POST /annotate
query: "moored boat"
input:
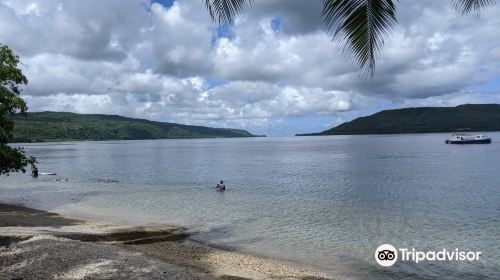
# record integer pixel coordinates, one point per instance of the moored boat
(465, 138)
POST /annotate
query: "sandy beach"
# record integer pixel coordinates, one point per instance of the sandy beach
(36, 244)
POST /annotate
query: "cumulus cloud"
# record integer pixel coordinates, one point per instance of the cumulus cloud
(276, 63)
(82, 29)
(181, 38)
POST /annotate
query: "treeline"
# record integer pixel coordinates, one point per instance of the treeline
(468, 117)
(62, 126)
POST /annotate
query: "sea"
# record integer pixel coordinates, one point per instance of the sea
(324, 203)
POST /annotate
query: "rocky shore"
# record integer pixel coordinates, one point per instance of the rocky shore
(35, 244)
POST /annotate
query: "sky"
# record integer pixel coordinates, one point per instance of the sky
(274, 71)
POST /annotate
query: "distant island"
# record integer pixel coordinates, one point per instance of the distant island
(468, 117)
(63, 126)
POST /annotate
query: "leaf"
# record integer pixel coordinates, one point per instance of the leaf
(362, 24)
(224, 11)
(467, 6)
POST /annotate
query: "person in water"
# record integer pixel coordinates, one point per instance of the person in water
(221, 186)
(34, 172)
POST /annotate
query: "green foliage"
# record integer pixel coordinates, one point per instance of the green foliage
(468, 6)
(363, 25)
(13, 160)
(60, 126)
(11, 78)
(473, 117)
(224, 11)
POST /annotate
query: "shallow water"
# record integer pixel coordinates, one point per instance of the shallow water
(326, 202)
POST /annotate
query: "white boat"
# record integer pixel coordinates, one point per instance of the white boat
(465, 138)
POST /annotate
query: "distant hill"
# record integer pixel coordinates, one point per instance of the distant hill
(473, 117)
(61, 126)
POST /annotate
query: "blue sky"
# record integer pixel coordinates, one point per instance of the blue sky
(166, 3)
(274, 71)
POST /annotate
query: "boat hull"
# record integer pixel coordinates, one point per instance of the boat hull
(481, 141)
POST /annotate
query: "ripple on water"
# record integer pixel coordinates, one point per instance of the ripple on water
(321, 201)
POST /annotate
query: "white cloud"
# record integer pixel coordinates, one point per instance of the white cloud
(181, 39)
(141, 59)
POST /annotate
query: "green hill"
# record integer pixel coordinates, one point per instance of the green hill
(473, 117)
(61, 126)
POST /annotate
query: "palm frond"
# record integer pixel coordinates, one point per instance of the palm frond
(467, 6)
(362, 24)
(224, 11)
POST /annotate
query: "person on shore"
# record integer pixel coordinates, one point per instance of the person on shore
(34, 172)
(221, 186)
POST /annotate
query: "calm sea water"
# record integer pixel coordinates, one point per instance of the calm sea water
(325, 202)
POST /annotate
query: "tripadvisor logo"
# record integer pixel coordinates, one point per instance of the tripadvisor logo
(387, 255)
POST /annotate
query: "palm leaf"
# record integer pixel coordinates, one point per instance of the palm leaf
(467, 6)
(362, 24)
(224, 11)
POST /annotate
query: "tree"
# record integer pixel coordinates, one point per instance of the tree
(361, 24)
(11, 78)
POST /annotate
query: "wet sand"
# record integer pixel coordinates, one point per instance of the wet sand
(36, 244)
(19, 216)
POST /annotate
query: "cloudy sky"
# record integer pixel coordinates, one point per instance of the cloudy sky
(275, 71)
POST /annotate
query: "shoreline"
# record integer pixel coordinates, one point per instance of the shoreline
(134, 252)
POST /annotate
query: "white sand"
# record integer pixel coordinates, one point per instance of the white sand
(222, 263)
(118, 252)
(48, 257)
